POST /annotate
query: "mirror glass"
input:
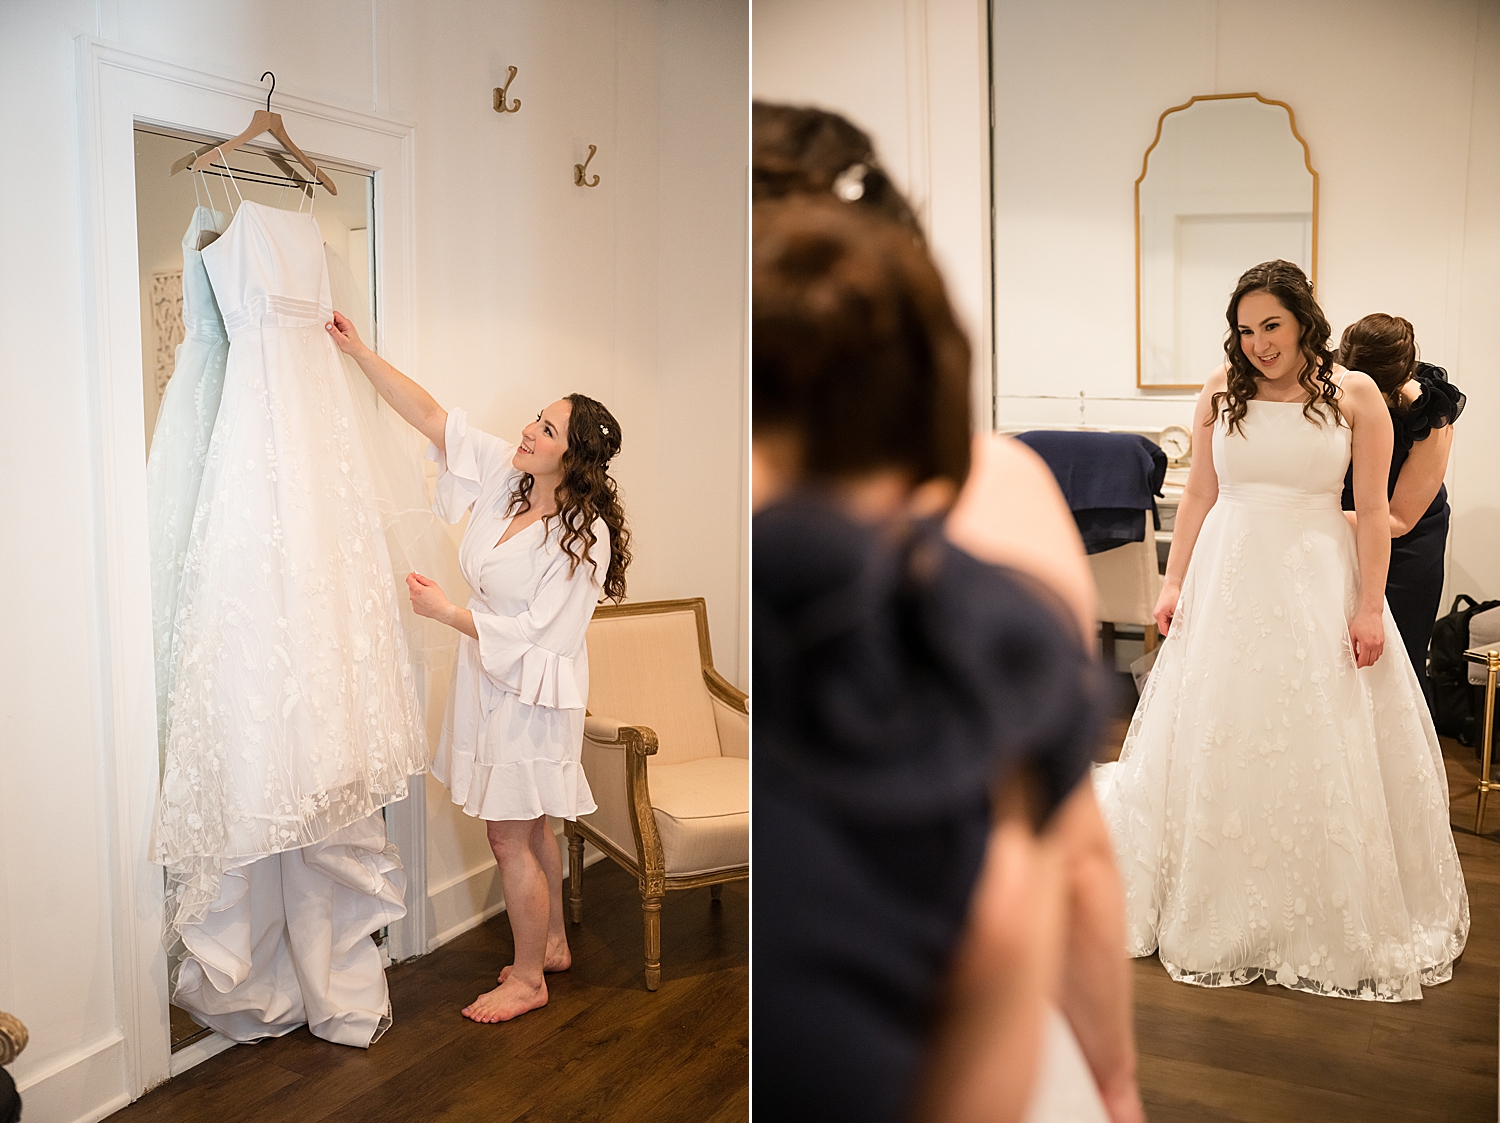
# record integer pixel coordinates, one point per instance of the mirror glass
(1226, 184)
(164, 205)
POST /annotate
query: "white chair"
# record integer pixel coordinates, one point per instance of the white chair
(666, 747)
(1128, 582)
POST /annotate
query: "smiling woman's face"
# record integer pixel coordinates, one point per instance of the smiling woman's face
(544, 441)
(1269, 335)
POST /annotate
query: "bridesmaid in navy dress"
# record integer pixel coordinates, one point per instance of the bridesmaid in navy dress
(1424, 405)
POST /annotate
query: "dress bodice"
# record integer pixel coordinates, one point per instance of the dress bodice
(1282, 458)
(268, 270)
(200, 308)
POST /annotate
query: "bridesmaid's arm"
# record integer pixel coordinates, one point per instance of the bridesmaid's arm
(1365, 409)
(413, 403)
(1011, 512)
(1198, 498)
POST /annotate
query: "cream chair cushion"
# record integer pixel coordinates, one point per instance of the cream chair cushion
(734, 729)
(702, 813)
(604, 765)
(655, 679)
(1128, 580)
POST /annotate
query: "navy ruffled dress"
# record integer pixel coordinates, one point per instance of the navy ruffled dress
(1414, 586)
(897, 680)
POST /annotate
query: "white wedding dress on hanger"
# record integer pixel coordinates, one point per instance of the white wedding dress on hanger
(179, 445)
(1276, 812)
(293, 713)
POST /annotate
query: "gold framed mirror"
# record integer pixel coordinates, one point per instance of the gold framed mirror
(1226, 183)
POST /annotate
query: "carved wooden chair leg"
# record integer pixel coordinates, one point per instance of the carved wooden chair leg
(575, 873)
(651, 913)
(717, 891)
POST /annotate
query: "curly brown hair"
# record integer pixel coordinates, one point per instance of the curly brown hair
(1385, 348)
(1288, 284)
(587, 492)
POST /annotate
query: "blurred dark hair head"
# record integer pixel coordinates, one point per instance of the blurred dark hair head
(1385, 348)
(798, 150)
(1289, 285)
(857, 355)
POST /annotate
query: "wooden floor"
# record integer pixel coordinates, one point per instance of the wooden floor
(603, 1048)
(1259, 1054)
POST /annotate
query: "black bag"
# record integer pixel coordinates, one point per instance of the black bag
(1457, 707)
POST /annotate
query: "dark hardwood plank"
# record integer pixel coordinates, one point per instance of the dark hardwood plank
(604, 1048)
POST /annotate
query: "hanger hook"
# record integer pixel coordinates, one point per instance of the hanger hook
(579, 171)
(272, 90)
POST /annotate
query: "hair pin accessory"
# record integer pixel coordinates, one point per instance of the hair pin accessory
(849, 184)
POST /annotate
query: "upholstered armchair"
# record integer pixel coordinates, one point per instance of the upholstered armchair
(1128, 581)
(666, 748)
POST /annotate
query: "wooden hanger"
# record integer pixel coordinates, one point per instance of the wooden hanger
(288, 173)
(264, 121)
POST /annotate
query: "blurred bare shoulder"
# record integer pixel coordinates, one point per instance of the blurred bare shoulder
(1011, 512)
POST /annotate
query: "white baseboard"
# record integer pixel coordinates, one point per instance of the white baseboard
(199, 1051)
(69, 1089)
(467, 901)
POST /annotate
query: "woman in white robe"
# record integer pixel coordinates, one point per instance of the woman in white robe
(546, 540)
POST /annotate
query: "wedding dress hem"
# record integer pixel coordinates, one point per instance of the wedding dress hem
(288, 942)
(1408, 989)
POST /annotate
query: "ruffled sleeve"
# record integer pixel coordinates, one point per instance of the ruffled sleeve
(899, 680)
(1438, 405)
(470, 464)
(533, 655)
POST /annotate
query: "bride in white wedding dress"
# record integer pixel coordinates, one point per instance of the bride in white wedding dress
(1280, 808)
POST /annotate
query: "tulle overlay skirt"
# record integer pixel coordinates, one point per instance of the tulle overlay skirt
(1278, 813)
(292, 710)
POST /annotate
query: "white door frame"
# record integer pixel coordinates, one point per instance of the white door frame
(118, 89)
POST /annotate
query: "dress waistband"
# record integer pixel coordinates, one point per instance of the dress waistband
(268, 310)
(204, 329)
(1268, 495)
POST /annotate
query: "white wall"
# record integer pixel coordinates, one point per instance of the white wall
(528, 288)
(1398, 100)
(914, 75)
(1399, 105)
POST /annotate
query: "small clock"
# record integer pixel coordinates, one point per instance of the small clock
(1177, 443)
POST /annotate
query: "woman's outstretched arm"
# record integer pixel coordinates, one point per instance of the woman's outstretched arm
(1198, 498)
(413, 403)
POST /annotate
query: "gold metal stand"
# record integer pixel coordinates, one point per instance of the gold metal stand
(1489, 657)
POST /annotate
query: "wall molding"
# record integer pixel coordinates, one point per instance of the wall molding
(61, 1092)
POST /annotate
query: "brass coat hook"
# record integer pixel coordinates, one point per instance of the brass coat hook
(579, 169)
(500, 93)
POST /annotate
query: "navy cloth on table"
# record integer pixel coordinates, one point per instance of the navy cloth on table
(897, 679)
(1108, 479)
(1414, 585)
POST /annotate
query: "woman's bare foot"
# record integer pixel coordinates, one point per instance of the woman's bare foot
(559, 957)
(509, 1000)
